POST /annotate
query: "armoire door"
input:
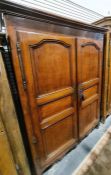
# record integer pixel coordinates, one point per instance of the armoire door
(49, 77)
(89, 63)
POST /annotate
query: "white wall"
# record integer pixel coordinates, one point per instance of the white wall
(101, 6)
(64, 8)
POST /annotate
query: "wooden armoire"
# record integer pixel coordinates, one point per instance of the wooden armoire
(106, 82)
(58, 68)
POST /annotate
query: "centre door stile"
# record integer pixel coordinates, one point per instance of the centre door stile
(77, 93)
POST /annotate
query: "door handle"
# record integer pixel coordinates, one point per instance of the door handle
(81, 96)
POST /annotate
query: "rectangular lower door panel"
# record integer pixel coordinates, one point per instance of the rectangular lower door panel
(58, 136)
(88, 118)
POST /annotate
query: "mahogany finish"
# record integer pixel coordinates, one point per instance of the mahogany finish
(57, 64)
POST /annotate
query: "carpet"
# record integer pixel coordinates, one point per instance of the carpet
(98, 162)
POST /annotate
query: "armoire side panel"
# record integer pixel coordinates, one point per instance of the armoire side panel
(109, 79)
(106, 79)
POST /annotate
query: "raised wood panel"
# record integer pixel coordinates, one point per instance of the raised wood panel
(89, 62)
(89, 117)
(57, 117)
(88, 84)
(55, 54)
(90, 91)
(43, 99)
(90, 100)
(58, 105)
(54, 139)
(91, 65)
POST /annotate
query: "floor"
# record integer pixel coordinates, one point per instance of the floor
(74, 158)
(102, 164)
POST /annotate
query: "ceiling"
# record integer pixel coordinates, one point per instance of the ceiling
(64, 8)
(101, 6)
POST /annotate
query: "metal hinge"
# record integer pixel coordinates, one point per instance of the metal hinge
(34, 140)
(21, 65)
